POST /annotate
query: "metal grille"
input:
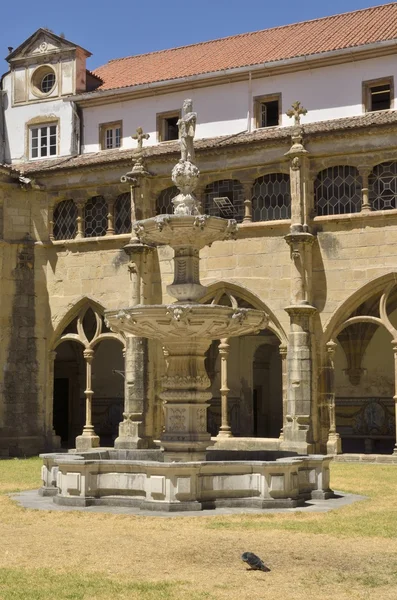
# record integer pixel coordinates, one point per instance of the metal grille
(65, 220)
(164, 205)
(95, 217)
(337, 191)
(122, 213)
(225, 188)
(271, 199)
(383, 186)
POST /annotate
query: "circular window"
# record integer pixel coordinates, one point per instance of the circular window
(43, 81)
(47, 83)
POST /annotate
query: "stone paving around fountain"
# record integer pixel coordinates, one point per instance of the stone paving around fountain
(32, 500)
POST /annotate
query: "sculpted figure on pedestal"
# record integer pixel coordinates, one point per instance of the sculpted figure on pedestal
(187, 129)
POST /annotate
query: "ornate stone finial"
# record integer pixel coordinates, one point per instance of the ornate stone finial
(138, 170)
(139, 137)
(296, 111)
(187, 129)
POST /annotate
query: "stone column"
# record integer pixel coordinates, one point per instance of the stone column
(88, 439)
(110, 216)
(284, 374)
(298, 430)
(225, 429)
(247, 187)
(365, 204)
(299, 426)
(334, 445)
(80, 219)
(132, 430)
(185, 393)
(394, 342)
(51, 223)
(299, 177)
(53, 440)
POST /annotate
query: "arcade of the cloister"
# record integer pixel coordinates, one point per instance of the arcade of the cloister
(327, 292)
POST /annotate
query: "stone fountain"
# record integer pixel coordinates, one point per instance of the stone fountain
(185, 474)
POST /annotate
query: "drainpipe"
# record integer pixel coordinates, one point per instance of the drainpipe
(249, 115)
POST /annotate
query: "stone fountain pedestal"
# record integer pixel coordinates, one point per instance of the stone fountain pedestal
(185, 329)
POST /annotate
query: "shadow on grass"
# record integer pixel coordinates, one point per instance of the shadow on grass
(44, 584)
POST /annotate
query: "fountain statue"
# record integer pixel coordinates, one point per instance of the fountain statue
(181, 477)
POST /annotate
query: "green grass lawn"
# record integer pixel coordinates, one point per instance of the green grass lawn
(349, 553)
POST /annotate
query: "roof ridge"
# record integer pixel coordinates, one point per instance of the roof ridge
(248, 33)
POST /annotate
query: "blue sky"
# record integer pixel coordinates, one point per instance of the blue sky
(116, 28)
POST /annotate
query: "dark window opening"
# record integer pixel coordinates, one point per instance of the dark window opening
(171, 128)
(380, 97)
(269, 114)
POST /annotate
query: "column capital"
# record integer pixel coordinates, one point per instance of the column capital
(88, 354)
(301, 310)
(283, 349)
(299, 237)
(331, 348)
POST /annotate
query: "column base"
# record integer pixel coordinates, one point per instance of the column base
(133, 443)
(87, 442)
(334, 444)
(129, 438)
(226, 433)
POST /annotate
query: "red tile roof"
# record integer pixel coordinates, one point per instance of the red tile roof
(347, 30)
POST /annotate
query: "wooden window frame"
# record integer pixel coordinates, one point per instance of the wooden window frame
(38, 123)
(366, 92)
(104, 127)
(258, 100)
(160, 123)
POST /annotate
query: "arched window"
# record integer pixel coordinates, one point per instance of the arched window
(337, 191)
(122, 213)
(225, 198)
(383, 186)
(95, 217)
(164, 205)
(271, 200)
(65, 220)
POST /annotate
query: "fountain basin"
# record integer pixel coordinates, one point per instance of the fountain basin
(95, 478)
(184, 230)
(184, 321)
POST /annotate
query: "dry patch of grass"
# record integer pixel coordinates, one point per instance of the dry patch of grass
(348, 554)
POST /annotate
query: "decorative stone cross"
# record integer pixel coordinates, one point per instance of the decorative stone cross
(296, 111)
(139, 137)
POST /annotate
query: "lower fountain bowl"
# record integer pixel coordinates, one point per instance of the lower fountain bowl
(122, 478)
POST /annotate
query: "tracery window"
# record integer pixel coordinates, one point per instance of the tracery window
(164, 204)
(271, 200)
(95, 217)
(65, 220)
(122, 213)
(383, 186)
(337, 191)
(225, 198)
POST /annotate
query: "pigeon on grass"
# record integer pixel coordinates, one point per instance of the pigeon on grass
(254, 562)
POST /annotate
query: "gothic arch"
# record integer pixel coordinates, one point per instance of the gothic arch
(342, 314)
(70, 313)
(216, 290)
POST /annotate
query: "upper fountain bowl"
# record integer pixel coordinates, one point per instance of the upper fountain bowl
(187, 230)
(170, 322)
